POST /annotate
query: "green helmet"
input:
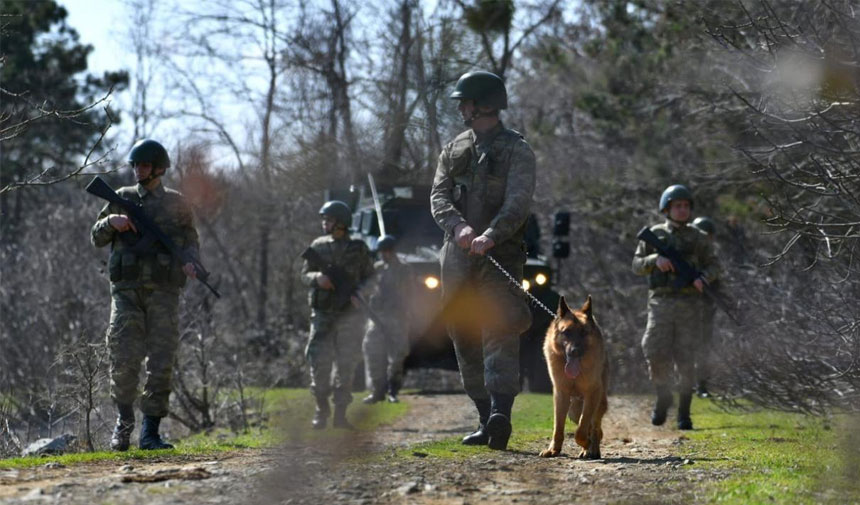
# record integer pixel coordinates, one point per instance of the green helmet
(149, 151)
(338, 210)
(705, 224)
(485, 88)
(676, 192)
(386, 243)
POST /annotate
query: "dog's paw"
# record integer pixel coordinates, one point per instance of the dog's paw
(583, 454)
(549, 453)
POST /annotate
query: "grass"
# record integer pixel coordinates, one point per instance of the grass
(774, 457)
(288, 413)
(769, 457)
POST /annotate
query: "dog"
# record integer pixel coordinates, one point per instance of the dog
(579, 368)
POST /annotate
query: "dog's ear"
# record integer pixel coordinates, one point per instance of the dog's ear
(562, 308)
(586, 307)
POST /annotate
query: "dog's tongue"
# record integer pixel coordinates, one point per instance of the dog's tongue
(572, 368)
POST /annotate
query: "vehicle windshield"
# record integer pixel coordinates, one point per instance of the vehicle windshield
(412, 224)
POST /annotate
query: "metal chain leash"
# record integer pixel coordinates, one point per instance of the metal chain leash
(532, 300)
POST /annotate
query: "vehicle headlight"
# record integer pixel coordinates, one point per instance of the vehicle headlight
(540, 279)
(432, 282)
(526, 284)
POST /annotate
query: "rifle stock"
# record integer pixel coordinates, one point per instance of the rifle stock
(150, 230)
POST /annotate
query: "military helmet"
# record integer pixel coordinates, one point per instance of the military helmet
(149, 151)
(386, 243)
(675, 192)
(338, 210)
(485, 88)
(705, 224)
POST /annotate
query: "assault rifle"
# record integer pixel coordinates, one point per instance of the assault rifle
(344, 287)
(685, 273)
(151, 233)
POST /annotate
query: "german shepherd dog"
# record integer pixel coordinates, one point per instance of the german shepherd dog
(579, 368)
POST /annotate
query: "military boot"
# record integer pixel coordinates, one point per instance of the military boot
(664, 401)
(321, 414)
(480, 436)
(499, 424)
(684, 400)
(376, 396)
(149, 437)
(340, 420)
(702, 389)
(393, 389)
(121, 438)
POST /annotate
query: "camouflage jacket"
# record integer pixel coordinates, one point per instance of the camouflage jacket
(694, 247)
(392, 287)
(487, 183)
(351, 255)
(153, 266)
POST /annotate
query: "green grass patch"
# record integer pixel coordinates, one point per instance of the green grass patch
(771, 457)
(286, 416)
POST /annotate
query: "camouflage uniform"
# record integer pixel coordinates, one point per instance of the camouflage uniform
(336, 332)
(145, 286)
(486, 182)
(385, 351)
(674, 316)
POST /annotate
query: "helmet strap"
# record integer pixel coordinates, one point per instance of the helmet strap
(153, 174)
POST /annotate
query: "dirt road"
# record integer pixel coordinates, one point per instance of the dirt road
(640, 466)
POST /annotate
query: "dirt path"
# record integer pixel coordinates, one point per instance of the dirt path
(639, 466)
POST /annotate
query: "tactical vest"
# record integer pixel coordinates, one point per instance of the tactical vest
(480, 174)
(350, 258)
(660, 282)
(135, 263)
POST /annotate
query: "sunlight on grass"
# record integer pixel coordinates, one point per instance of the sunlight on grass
(773, 457)
(287, 414)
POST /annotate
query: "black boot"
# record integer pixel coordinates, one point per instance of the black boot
(340, 420)
(121, 438)
(393, 389)
(664, 401)
(684, 400)
(321, 413)
(702, 389)
(376, 396)
(499, 424)
(480, 436)
(149, 437)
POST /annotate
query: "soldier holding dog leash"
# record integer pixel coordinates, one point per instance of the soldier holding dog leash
(481, 198)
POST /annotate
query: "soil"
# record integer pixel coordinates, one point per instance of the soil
(640, 465)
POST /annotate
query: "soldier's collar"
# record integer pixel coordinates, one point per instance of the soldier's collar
(674, 225)
(157, 191)
(488, 136)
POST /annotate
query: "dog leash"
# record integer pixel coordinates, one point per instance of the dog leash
(532, 300)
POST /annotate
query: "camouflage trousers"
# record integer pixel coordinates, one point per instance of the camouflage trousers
(704, 349)
(671, 336)
(385, 352)
(334, 345)
(485, 317)
(144, 324)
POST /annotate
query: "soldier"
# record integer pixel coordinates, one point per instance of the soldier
(145, 284)
(336, 323)
(385, 349)
(709, 309)
(481, 198)
(674, 315)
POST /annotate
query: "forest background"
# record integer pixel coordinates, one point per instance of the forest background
(264, 104)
